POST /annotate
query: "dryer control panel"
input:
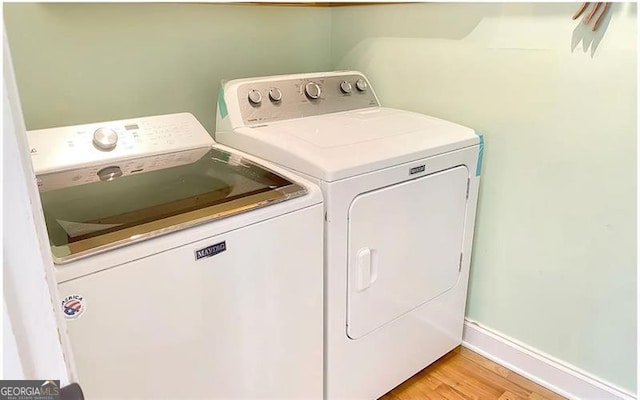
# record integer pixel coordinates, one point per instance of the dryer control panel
(61, 149)
(277, 98)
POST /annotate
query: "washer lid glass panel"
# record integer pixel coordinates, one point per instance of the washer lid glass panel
(93, 209)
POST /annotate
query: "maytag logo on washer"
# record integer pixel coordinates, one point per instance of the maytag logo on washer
(73, 306)
(210, 251)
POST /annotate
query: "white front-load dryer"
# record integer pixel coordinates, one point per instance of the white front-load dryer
(400, 193)
(186, 270)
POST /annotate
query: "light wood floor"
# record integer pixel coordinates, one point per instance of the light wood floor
(463, 374)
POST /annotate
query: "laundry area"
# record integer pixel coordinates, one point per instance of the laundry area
(321, 200)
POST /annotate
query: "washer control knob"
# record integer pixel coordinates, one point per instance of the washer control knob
(345, 87)
(312, 90)
(275, 94)
(361, 84)
(105, 139)
(255, 97)
(110, 173)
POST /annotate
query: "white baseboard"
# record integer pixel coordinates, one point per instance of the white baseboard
(563, 379)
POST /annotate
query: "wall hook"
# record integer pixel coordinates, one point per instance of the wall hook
(595, 8)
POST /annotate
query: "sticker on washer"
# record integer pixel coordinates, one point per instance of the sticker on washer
(73, 306)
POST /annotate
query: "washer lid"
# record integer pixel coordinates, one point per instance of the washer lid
(177, 190)
(336, 146)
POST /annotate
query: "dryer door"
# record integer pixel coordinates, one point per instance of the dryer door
(405, 245)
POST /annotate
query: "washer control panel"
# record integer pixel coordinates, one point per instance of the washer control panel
(111, 143)
(273, 99)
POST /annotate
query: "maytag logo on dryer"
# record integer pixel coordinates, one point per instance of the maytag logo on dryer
(211, 251)
(415, 170)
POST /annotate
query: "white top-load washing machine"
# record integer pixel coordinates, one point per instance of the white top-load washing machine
(186, 270)
(400, 193)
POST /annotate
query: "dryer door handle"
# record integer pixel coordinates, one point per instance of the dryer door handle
(366, 268)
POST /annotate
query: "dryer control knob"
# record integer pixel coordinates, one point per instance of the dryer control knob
(275, 94)
(105, 139)
(312, 90)
(361, 84)
(345, 87)
(255, 97)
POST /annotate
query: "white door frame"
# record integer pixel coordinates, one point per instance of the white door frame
(35, 347)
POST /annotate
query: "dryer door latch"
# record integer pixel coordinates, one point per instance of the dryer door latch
(468, 184)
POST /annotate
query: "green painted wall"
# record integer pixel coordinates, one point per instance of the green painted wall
(554, 266)
(79, 63)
